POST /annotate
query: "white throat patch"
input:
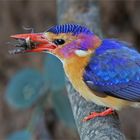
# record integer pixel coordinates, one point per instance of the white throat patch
(81, 53)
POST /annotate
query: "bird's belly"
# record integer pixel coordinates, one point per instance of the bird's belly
(89, 95)
(84, 91)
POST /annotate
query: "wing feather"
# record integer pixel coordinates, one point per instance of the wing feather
(114, 69)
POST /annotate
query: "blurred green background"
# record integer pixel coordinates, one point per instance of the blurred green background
(38, 107)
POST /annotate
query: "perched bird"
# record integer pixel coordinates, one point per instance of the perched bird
(104, 71)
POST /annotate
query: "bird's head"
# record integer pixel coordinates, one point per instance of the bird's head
(64, 41)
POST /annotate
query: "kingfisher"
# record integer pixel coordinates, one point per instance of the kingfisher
(103, 71)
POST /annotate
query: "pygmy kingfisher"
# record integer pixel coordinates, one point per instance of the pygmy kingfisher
(104, 71)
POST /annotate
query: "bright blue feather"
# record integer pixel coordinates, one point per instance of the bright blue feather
(70, 28)
(115, 70)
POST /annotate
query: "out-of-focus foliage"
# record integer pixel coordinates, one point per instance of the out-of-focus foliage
(25, 88)
(62, 108)
(13, 16)
(54, 76)
(54, 73)
(39, 126)
(29, 85)
(20, 135)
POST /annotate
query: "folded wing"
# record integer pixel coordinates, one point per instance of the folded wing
(114, 70)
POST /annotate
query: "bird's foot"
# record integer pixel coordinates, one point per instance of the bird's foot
(96, 114)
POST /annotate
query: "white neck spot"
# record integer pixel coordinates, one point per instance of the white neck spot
(81, 53)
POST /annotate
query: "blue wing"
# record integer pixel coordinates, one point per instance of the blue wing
(114, 70)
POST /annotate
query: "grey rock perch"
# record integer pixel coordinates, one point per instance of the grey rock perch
(101, 128)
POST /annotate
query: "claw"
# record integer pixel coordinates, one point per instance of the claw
(93, 115)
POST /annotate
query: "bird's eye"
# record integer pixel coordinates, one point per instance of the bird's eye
(59, 41)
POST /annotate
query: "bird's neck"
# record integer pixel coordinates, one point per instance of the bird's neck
(76, 64)
(74, 67)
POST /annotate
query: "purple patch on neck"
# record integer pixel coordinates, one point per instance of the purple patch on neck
(68, 49)
(83, 42)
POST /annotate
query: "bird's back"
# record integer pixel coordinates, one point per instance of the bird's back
(114, 70)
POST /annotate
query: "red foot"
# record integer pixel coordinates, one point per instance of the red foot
(101, 114)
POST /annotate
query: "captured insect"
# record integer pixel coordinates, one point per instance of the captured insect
(31, 42)
(22, 44)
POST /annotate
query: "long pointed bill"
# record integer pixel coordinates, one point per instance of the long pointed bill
(32, 42)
